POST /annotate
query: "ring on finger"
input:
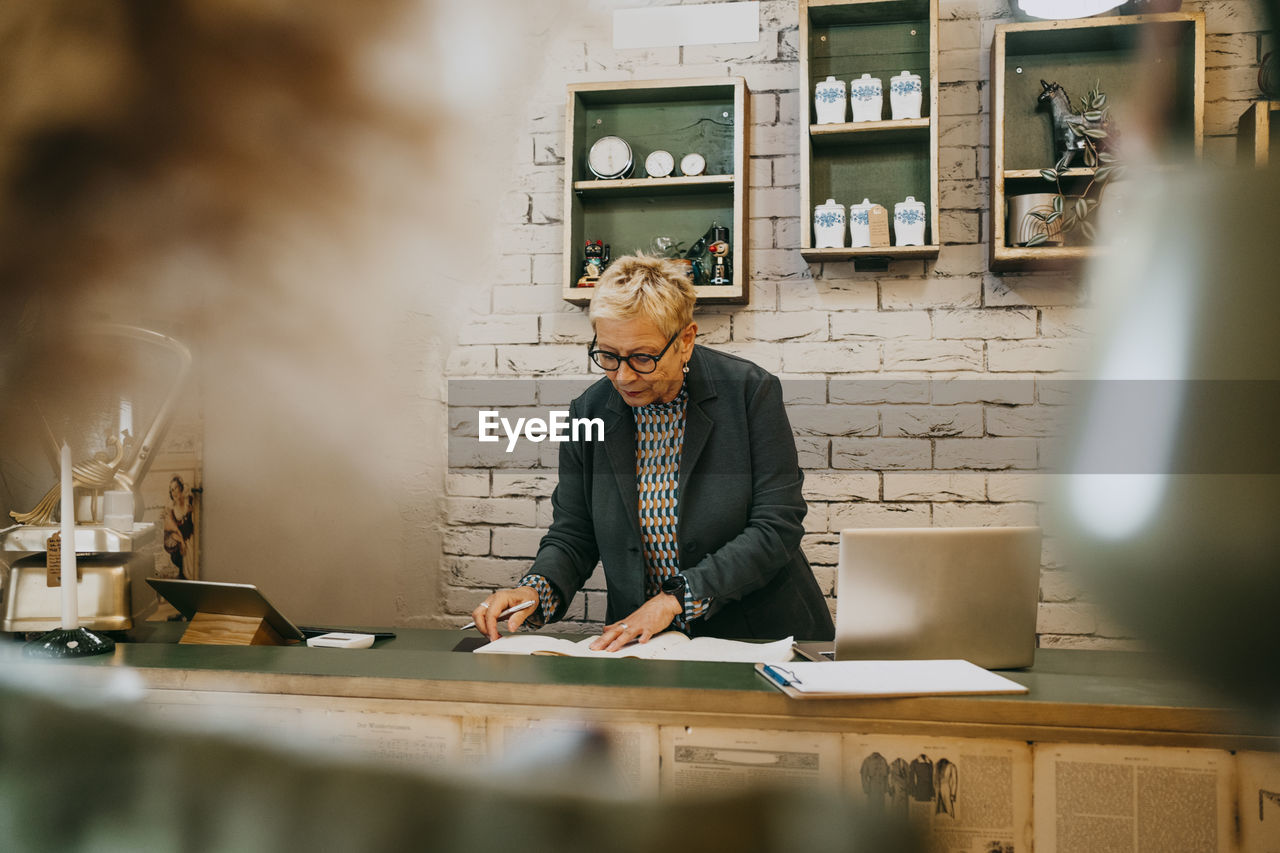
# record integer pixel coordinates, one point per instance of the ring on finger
(485, 605)
(622, 625)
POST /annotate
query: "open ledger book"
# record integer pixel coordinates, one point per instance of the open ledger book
(671, 645)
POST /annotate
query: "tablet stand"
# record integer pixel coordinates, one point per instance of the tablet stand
(223, 629)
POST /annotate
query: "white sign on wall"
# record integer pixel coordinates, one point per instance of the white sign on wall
(669, 26)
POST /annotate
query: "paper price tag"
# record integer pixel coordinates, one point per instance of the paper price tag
(53, 561)
(878, 222)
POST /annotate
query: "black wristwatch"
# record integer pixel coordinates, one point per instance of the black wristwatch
(675, 586)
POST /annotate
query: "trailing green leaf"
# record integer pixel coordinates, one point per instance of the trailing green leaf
(1049, 174)
(1037, 239)
(1093, 115)
(1053, 216)
(1095, 133)
(1087, 229)
(1057, 204)
(1102, 174)
(1082, 208)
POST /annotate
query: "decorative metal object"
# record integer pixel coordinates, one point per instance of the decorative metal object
(132, 456)
(659, 164)
(610, 158)
(1269, 75)
(693, 164)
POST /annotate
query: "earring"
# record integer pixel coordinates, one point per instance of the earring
(686, 368)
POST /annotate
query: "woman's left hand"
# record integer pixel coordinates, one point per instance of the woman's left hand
(653, 617)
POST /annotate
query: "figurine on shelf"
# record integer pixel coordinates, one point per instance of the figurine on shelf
(597, 258)
(1070, 129)
(721, 271)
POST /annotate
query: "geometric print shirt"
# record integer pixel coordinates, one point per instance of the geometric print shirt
(659, 442)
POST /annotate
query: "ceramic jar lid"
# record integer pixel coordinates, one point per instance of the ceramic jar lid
(910, 203)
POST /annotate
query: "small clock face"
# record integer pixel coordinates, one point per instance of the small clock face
(693, 164)
(659, 164)
(609, 157)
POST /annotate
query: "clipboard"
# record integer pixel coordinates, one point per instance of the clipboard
(226, 614)
(884, 679)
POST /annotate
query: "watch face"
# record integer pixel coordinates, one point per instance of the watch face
(692, 164)
(609, 157)
(659, 164)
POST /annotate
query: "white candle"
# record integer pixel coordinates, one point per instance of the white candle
(70, 584)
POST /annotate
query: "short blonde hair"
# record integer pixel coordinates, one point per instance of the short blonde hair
(643, 286)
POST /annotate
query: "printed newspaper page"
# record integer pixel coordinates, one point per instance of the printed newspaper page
(633, 747)
(706, 760)
(1259, 801)
(1124, 799)
(967, 795)
(377, 729)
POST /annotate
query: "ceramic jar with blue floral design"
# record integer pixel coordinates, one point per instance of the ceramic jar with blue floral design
(866, 98)
(828, 225)
(908, 222)
(905, 95)
(829, 101)
(860, 223)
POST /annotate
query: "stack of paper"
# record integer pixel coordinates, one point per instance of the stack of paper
(884, 678)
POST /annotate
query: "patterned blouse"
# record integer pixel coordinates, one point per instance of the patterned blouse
(659, 442)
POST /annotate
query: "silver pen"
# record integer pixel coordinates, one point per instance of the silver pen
(504, 614)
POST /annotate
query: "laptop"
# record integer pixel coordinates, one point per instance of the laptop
(936, 593)
(235, 599)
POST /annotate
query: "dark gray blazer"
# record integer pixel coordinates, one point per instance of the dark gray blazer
(740, 507)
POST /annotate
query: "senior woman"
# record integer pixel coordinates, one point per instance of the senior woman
(692, 501)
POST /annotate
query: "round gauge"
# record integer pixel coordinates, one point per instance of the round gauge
(609, 158)
(693, 164)
(659, 164)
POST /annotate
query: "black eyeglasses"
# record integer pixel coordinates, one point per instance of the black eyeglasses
(640, 362)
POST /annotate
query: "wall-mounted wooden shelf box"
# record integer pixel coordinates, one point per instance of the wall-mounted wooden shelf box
(707, 116)
(1079, 54)
(1258, 134)
(884, 161)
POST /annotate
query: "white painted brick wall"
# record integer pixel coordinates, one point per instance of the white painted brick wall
(932, 421)
(880, 324)
(934, 487)
(914, 391)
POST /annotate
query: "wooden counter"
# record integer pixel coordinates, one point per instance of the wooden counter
(1074, 696)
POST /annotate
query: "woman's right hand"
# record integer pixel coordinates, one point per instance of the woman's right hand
(487, 612)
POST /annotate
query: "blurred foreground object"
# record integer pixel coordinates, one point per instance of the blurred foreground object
(1175, 489)
(181, 791)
